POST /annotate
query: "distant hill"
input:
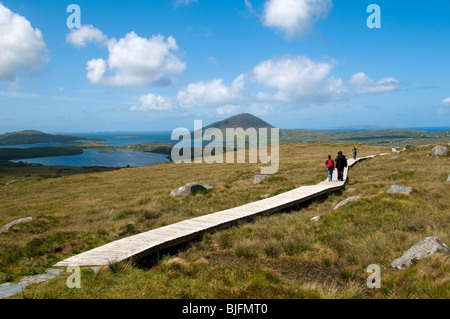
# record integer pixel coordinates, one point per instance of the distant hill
(244, 120)
(33, 137)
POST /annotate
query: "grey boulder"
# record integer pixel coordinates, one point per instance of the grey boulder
(397, 189)
(439, 151)
(345, 201)
(424, 248)
(188, 189)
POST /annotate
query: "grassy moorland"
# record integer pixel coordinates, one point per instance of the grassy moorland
(285, 255)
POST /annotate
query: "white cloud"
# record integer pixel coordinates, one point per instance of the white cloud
(21, 46)
(228, 109)
(295, 17)
(275, 82)
(298, 79)
(211, 93)
(445, 106)
(137, 61)
(364, 85)
(84, 35)
(249, 6)
(151, 102)
(184, 2)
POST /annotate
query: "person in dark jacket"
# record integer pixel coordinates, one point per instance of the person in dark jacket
(341, 163)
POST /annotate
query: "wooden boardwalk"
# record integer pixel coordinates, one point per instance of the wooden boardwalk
(141, 245)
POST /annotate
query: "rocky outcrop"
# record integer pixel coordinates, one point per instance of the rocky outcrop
(14, 222)
(397, 189)
(440, 151)
(345, 201)
(424, 248)
(188, 189)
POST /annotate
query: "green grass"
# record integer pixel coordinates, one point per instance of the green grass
(284, 255)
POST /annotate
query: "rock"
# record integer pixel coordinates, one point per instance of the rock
(394, 157)
(448, 178)
(345, 201)
(208, 186)
(259, 178)
(188, 189)
(9, 289)
(265, 195)
(394, 150)
(397, 189)
(439, 151)
(315, 218)
(424, 248)
(14, 222)
(352, 189)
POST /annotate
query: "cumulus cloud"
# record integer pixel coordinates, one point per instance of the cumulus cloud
(295, 17)
(135, 61)
(364, 85)
(22, 47)
(287, 79)
(445, 106)
(84, 35)
(228, 109)
(211, 93)
(298, 79)
(152, 102)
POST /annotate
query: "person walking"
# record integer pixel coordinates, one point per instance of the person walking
(341, 163)
(354, 153)
(330, 168)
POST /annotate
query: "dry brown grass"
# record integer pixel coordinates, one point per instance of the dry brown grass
(280, 256)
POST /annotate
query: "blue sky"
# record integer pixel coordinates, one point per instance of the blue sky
(159, 65)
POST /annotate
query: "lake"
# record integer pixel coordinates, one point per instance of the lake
(107, 158)
(115, 158)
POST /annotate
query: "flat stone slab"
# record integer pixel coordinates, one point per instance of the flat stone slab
(424, 248)
(9, 289)
(397, 189)
(14, 222)
(345, 201)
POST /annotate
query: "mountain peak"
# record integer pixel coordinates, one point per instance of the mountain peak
(244, 120)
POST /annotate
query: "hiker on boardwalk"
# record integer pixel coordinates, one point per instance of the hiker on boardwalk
(354, 153)
(341, 163)
(330, 168)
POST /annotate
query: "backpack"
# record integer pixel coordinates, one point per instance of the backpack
(330, 163)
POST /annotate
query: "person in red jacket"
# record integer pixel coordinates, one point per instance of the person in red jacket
(330, 168)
